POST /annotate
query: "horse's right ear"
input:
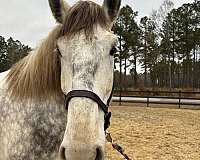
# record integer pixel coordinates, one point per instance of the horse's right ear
(59, 9)
(112, 8)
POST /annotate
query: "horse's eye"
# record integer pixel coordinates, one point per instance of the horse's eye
(113, 51)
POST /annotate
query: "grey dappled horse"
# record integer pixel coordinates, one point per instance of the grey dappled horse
(34, 122)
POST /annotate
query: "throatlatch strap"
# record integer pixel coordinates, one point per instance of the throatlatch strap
(109, 99)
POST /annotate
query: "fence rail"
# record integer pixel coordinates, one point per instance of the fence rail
(180, 98)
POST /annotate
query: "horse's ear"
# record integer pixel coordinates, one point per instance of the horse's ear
(112, 8)
(59, 9)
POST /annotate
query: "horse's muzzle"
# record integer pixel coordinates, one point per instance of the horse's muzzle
(81, 154)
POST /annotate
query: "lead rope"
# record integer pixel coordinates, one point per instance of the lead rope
(116, 146)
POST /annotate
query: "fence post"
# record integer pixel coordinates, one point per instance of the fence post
(120, 97)
(179, 102)
(148, 93)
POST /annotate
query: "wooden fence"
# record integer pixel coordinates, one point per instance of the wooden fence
(179, 98)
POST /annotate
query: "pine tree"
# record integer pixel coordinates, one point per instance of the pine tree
(3, 56)
(11, 51)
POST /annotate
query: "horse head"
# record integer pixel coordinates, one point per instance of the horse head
(85, 49)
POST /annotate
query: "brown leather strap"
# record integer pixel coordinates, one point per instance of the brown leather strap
(86, 94)
(110, 97)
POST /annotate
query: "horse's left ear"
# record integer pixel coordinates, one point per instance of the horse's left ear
(59, 9)
(112, 8)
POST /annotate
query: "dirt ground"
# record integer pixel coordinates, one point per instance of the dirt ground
(155, 133)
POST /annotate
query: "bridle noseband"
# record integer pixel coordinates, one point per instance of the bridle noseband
(94, 97)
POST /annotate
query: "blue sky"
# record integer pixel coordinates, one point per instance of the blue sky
(30, 20)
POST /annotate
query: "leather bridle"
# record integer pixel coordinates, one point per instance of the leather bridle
(91, 95)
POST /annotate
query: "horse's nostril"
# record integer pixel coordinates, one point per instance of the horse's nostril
(81, 154)
(62, 153)
(99, 155)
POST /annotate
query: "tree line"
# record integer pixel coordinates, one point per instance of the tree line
(161, 50)
(11, 51)
(158, 51)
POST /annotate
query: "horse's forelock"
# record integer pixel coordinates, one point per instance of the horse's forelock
(84, 16)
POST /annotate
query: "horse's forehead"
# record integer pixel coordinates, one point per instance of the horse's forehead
(106, 36)
(100, 37)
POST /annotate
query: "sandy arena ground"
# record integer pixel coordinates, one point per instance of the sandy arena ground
(155, 133)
